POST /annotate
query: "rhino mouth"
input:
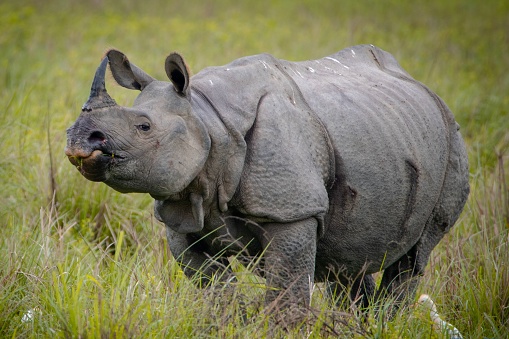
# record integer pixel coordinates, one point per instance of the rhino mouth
(93, 166)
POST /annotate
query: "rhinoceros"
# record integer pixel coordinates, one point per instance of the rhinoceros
(333, 169)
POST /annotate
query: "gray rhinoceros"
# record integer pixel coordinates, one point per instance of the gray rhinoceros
(333, 168)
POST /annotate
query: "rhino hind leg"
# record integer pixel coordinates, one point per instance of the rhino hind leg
(360, 292)
(363, 290)
(401, 278)
(399, 281)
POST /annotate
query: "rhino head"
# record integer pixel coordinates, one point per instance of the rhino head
(157, 146)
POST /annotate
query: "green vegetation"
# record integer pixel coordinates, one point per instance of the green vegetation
(80, 260)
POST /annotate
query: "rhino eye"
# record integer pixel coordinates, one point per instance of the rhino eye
(143, 127)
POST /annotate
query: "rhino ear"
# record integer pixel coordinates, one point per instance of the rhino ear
(178, 72)
(125, 73)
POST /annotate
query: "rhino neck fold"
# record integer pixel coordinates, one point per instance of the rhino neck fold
(209, 193)
(222, 171)
(184, 216)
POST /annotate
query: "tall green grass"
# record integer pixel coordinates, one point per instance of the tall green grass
(80, 260)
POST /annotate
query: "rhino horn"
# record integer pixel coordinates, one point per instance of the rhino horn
(99, 97)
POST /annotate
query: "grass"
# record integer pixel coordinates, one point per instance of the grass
(80, 260)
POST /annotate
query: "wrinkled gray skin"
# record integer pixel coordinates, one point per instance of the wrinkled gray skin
(338, 167)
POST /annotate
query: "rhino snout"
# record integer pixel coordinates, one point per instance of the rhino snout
(92, 166)
(90, 154)
(82, 146)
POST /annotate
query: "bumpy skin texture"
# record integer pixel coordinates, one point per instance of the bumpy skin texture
(337, 168)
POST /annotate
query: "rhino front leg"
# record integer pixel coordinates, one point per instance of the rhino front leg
(289, 262)
(194, 259)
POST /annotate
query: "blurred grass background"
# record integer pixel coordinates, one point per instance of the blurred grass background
(89, 262)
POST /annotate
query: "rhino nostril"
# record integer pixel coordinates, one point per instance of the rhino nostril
(97, 138)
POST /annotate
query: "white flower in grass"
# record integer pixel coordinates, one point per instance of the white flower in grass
(439, 324)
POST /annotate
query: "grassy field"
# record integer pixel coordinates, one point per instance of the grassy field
(78, 260)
